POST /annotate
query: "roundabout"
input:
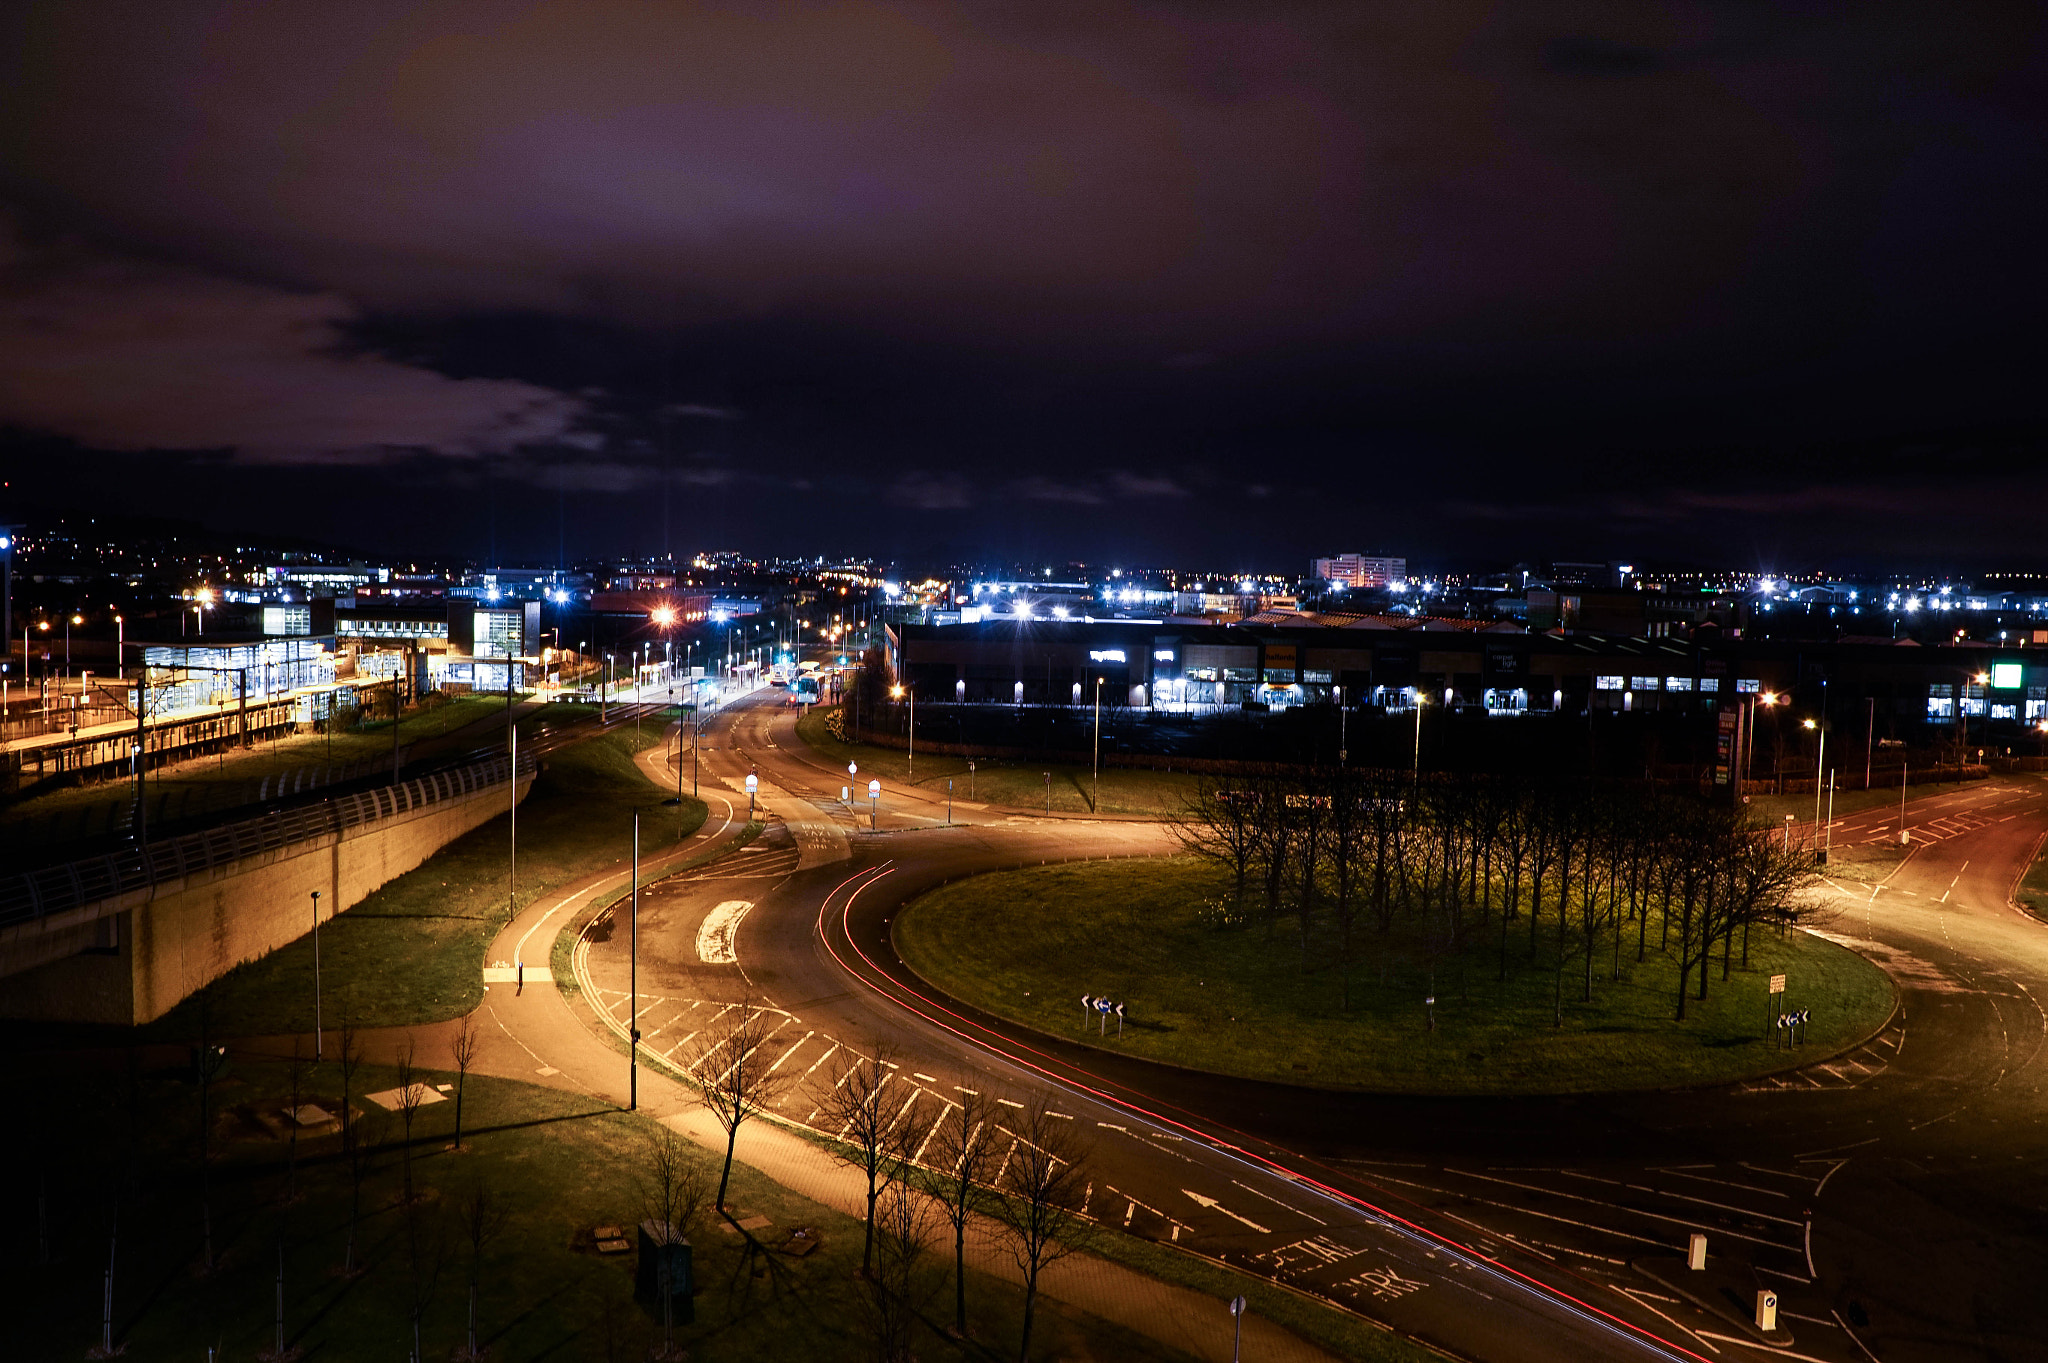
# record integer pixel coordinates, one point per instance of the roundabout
(1869, 1189)
(1200, 994)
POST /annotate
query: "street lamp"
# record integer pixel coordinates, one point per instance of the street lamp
(1819, 760)
(897, 693)
(1095, 786)
(1420, 701)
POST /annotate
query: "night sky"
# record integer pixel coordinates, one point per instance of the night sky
(1227, 284)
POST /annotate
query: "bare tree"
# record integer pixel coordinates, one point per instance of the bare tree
(961, 1164)
(424, 1256)
(906, 1221)
(467, 1039)
(411, 1093)
(483, 1220)
(1039, 1213)
(731, 1063)
(355, 1148)
(296, 1076)
(672, 1189)
(862, 1126)
(1216, 825)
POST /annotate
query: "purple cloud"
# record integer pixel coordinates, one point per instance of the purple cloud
(126, 355)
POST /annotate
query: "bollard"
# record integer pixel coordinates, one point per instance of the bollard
(1696, 1253)
(1766, 1310)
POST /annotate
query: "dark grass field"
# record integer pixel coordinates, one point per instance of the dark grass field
(1028, 944)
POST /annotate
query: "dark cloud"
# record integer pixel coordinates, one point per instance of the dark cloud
(125, 355)
(1148, 262)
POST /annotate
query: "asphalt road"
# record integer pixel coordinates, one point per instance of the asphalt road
(1892, 1198)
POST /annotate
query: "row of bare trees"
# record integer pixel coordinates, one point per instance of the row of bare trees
(1016, 1167)
(1453, 864)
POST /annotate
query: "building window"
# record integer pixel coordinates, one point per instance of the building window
(1642, 683)
(1607, 683)
(1748, 686)
(1312, 674)
(1678, 683)
(1710, 683)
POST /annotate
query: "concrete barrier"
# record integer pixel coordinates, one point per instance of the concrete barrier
(134, 955)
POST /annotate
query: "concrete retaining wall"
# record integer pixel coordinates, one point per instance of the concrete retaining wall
(147, 950)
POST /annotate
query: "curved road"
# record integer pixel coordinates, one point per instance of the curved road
(1891, 1198)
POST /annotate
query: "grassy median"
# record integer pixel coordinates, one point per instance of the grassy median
(1014, 783)
(413, 952)
(554, 1165)
(1028, 944)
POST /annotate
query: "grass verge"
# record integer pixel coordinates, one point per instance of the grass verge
(222, 783)
(413, 952)
(1028, 944)
(554, 1164)
(1011, 783)
(2032, 894)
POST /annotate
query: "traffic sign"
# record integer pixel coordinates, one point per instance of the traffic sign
(874, 790)
(753, 783)
(1777, 984)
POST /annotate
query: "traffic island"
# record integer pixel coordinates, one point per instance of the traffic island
(1724, 1287)
(1398, 1011)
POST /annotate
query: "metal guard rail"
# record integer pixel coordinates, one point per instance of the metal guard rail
(28, 896)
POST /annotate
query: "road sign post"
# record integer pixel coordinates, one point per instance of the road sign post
(874, 805)
(1774, 1002)
(753, 785)
(1237, 1305)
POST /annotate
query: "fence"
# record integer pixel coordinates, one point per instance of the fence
(37, 894)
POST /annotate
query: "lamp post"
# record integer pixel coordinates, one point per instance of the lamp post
(1819, 760)
(633, 981)
(896, 692)
(1417, 774)
(1095, 783)
(316, 976)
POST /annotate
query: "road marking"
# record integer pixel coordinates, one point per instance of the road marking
(1213, 1205)
(1632, 1211)
(1725, 1183)
(1278, 1203)
(794, 1048)
(1528, 1211)
(1772, 1350)
(1631, 1295)
(928, 1078)
(819, 1061)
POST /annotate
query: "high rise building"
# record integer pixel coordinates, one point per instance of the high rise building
(1358, 570)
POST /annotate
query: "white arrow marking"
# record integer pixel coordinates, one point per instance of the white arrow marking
(1213, 1205)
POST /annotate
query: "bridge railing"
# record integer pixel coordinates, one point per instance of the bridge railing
(27, 896)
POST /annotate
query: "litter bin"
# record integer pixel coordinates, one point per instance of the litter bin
(665, 1267)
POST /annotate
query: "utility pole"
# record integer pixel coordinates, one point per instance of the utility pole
(633, 981)
(1869, 738)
